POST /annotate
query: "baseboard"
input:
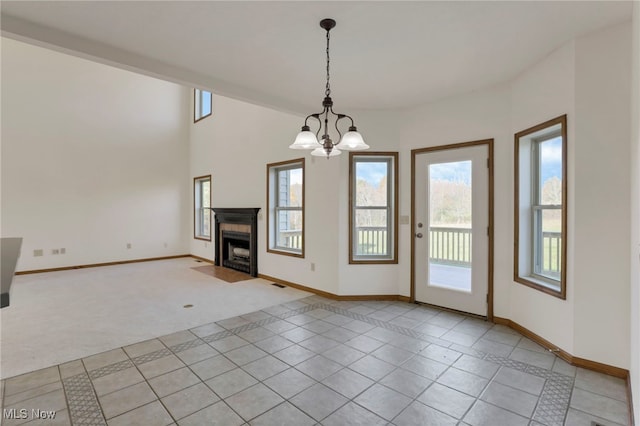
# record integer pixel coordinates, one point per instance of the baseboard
(573, 360)
(390, 297)
(630, 400)
(203, 259)
(96, 265)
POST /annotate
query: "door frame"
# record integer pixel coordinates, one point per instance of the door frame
(414, 153)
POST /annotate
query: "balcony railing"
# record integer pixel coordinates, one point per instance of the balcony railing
(291, 239)
(450, 246)
(447, 245)
(551, 253)
(371, 240)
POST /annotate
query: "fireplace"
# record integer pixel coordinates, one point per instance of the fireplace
(236, 239)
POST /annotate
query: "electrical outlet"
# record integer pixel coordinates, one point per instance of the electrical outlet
(206, 245)
(38, 252)
(166, 245)
(128, 245)
(313, 266)
(55, 251)
(63, 250)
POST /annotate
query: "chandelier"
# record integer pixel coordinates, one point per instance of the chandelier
(306, 139)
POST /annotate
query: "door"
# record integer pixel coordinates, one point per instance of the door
(451, 219)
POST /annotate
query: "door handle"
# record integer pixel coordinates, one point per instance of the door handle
(419, 235)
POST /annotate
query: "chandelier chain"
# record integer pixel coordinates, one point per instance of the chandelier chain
(327, 91)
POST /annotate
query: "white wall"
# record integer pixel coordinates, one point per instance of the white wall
(635, 213)
(234, 146)
(545, 91)
(602, 178)
(93, 158)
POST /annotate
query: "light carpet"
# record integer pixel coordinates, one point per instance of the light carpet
(57, 317)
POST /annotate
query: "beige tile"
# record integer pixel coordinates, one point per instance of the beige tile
(31, 380)
(199, 353)
(11, 400)
(103, 359)
(127, 399)
(173, 382)
(116, 381)
(177, 338)
(143, 348)
(218, 414)
(189, 400)
(150, 414)
(72, 368)
(52, 401)
(160, 366)
(60, 418)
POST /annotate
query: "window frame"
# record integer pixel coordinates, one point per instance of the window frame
(273, 207)
(392, 207)
(198, 102)
(198, 210)
(529, 245)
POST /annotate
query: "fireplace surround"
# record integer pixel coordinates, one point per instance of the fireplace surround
(236, 239)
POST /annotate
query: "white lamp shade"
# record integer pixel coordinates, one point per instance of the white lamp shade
(320, 152)
(352, 141)
(305, 140)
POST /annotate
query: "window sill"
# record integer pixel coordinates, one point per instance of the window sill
(542, 286)
(285, 252)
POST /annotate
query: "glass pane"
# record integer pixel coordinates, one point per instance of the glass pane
(290, 188)
(371, 232)
(450, 221)
(206, 103)
(371, 183)
(206, 223)
(550, 263)
(289, 229)
(551, 171)
(206, 193)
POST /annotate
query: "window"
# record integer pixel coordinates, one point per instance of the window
(202, 208)
(541, 207)
(201, 104)
(373, 199)
(285, 206)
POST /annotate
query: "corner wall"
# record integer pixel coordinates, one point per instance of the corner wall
(93, 158)
(602, 204)
(635, 213)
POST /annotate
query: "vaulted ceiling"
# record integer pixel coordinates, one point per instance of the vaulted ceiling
(384, 55)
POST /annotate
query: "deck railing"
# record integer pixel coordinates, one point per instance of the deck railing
(372, 240)
(291, 239)
(447, 245)
(551, 253)
(450, 246)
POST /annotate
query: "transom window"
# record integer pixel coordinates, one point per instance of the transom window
(373, 215)
(540, 210)
(286, 207)
(202, 208)
(202, 104)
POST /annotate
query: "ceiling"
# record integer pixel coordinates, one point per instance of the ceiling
(384, 54)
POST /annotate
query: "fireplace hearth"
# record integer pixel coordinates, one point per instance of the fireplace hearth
(236, 239)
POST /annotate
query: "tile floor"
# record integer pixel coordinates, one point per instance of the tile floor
(320, 362)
